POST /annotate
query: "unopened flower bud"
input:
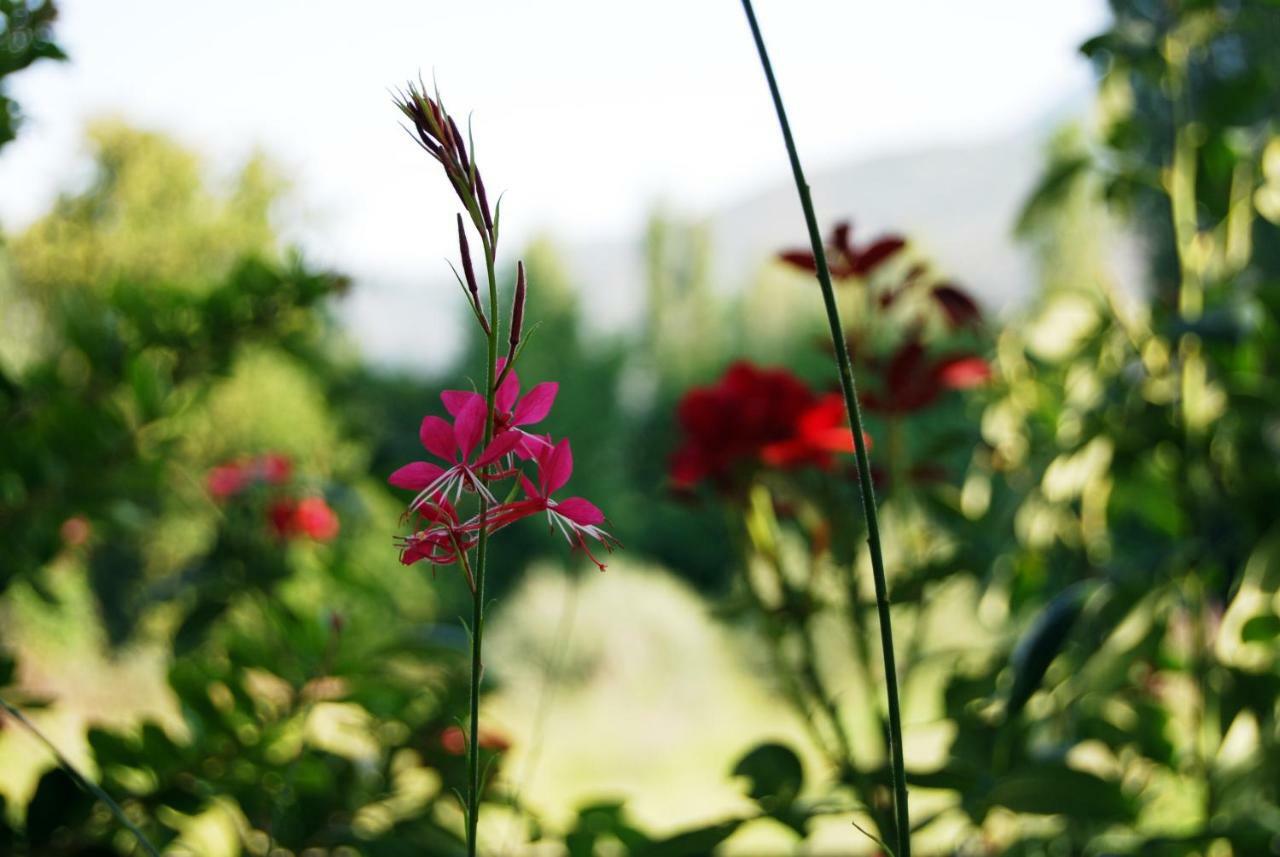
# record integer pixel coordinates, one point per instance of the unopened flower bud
(517, 310)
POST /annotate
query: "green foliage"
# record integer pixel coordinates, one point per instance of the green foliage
(25, 37)
(149, 216)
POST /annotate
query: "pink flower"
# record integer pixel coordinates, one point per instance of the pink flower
(510, 410)
(576, 518)
(273, 468)
(455, 445)
(227, 480)
(439, 543)
(311, 517)
(314, 517)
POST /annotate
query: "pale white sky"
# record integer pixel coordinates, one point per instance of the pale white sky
(586, 111)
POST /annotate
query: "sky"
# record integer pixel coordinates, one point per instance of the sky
(586, 112)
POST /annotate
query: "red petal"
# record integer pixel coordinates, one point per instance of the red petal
(415, 476)
(800, 259)
(580, 511)
(508, 391)
(555, 468)
(468, 426)
(536, 404)
(438, 438)
(498, 447)
(877, 254)
(455, 400)
(959, 308)
(963, 373)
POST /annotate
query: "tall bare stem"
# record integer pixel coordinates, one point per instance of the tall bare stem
(845, 367)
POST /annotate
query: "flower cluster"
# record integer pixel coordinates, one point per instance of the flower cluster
(905, 298)
(484, 441)
(310, 516)
(465, 467)
(287, 516)
(233, 477)
(755, 416)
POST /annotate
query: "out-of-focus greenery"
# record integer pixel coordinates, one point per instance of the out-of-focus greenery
(1085, 584)
(26, 37)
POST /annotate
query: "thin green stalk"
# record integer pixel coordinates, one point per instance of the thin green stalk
(80, 779)
(482, 545)
(845, 366)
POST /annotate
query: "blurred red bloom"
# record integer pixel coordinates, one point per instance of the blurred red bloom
(231, 477)
(843, 258)
(734, 419)
(314, 518)
(752, 416)
(454, 741)
(913, 380)
(311, 517)
(820, 431)
(75, 531)
(959, 308)
(274, 468)
(280, 515)
(226, 480)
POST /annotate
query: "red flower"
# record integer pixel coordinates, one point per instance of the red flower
(280, 515)
(455, 444)
(820, 431)
(576, 519)
(310, 517)
(913, 380)
(314, 518)
(226, 480)
(731, 421)
(454, 741)
(843, 258)
(959, 308)
(231, 477)
(274, 468)
(510, 409)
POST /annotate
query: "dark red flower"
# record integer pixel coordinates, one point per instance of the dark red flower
(732, 420)
(280, 515)
(843, 257)
(913, 380)
(959, 308)
(819, 432)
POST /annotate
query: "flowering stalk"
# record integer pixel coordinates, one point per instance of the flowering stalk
(845, 366)
(485, 442)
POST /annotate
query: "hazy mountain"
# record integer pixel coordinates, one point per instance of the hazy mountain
(957, 203)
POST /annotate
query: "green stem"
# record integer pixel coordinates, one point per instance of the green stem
(897, 767)
(80, 779)
(482, 546)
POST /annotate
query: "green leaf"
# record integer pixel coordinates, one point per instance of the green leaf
(1042, 643)
(775, 774)
(691, 843)
(1053, 789)
(1261, 629)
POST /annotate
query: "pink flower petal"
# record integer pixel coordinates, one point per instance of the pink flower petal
(508, 391)
(580, 511)
(455, 400)
(529, 489)
(498, 447)
(415, 476)
(536, 404)
(555, 468)
(963, 373)
(468, 425)
(438, 438)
